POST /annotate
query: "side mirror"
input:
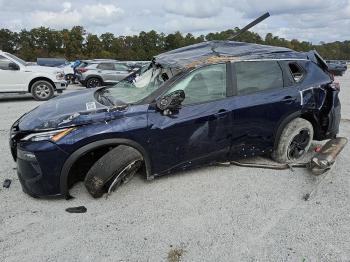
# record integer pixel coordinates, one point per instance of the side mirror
(171, 103)
(13, 66)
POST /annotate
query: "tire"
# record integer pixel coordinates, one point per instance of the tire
(93, 82)
(42, 90)
(294, 142)
(115, 167)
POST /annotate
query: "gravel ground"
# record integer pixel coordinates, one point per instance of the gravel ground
(209, 214)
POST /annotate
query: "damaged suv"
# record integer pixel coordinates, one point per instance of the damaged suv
(209, 102)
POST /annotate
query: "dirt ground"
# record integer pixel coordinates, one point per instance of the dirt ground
(208, 214)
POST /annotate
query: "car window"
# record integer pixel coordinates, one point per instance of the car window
(106, 66)
(4, 63)
(203, 85)
(296, 71)
(121, 67)
(258, 76)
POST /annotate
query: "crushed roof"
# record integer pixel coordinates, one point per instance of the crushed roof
(221, 51)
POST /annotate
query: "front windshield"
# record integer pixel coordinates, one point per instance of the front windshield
(19, 60)
(137, 86)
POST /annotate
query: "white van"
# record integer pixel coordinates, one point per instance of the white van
(18, 76)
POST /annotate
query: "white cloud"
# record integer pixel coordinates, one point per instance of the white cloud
(193, 8)
(97, 15)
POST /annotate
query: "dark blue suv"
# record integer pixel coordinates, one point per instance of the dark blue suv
(213, 101)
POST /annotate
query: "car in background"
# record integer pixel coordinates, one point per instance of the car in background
(51, 62)
(337, 67)
(95, 73)
(18, 76)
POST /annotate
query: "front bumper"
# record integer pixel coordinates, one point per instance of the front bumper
(62, 85)
(39, 167)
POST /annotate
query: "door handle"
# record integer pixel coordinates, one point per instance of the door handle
(289, 99)
(222, 113)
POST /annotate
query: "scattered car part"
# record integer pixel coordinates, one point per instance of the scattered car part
(294, 141)
(250, 25)
(110, 170)
(270, 166)
(325, 158)
(7, 183)
(79, 209)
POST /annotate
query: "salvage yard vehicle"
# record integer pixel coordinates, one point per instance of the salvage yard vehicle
(100, 72)
(18, 76)
(194, 106)
(337, 68)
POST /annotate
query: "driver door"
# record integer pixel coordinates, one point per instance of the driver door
(200, 130)
(10, 78)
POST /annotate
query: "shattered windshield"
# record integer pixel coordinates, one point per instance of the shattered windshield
(135, 87)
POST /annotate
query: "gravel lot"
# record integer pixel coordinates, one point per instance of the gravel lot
(209, 214)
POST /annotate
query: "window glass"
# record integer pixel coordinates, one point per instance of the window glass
(106, 66)
(121, 67)
(296, 71)
(4, 63)
(203, 85)
(258, 76)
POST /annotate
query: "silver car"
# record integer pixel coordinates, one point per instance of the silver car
(103, 72)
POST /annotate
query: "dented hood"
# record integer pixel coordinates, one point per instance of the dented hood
(66, 110)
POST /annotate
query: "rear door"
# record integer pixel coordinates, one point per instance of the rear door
(121, 71)
(260, 105)
(107, 72)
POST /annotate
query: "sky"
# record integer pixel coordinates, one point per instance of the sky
(307, 20)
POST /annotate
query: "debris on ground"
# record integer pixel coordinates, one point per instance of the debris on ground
(79, 209)
(7, 183)
(175, 254)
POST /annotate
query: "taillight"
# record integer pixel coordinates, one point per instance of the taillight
(335, 86)
(82, 70)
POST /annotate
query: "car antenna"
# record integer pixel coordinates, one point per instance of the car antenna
(250, 25)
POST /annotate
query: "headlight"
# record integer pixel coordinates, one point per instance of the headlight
(54, 136)
(59, 75)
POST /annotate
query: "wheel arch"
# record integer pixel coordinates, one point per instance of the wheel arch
(41, 78)
(94, 76)
(75, 156)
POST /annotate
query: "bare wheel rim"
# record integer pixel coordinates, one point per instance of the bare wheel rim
(297, 146)
(94, 82)
(125, 175)
(42, 91)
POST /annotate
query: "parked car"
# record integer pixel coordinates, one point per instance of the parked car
(103, 72)
(209, 102)
(337, 68)
(68, 72)
(16, 76)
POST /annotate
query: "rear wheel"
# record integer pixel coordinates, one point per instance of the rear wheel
(93, 82)
(294, 141)
(42, 90)
(116, 167)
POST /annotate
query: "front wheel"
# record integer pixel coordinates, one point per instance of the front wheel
(115, 167)
(294, 141)
(93, 82)
(42, 90)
